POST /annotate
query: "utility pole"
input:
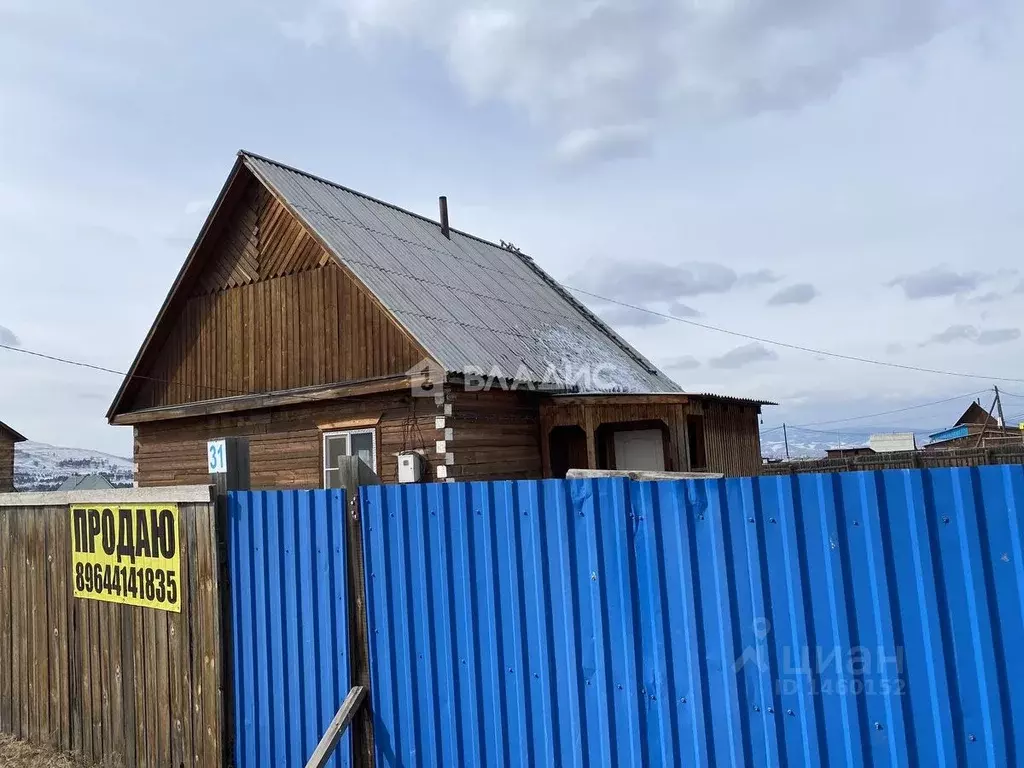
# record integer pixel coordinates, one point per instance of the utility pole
(785, 437)
(999, 407)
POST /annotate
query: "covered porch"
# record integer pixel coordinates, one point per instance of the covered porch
(660, 432)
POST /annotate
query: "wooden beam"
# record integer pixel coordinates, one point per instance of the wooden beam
(263, 401)
(336, 729)
(640, 475)
(590, 427)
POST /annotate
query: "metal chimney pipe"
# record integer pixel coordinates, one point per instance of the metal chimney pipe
(443, 204)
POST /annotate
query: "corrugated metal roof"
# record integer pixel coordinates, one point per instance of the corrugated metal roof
(86, 483)
(471, 304)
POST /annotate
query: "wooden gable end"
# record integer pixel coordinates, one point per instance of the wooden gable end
(264, 308)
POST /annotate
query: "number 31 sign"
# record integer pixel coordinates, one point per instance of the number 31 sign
(217, 457)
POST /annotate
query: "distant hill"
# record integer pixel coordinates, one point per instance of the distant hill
(807, 444)
(42, 467)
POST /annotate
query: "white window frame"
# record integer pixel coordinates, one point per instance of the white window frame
(347, 433)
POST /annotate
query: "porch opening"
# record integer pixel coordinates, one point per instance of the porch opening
(634, 445)
(568, 447)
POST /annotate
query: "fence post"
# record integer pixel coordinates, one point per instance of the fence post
(228, 460)
(355, 473)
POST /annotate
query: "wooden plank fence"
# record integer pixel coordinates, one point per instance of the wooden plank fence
(100, 678)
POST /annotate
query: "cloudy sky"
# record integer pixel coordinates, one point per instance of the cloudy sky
(842, 175)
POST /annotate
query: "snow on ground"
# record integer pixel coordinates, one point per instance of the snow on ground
(42, 467)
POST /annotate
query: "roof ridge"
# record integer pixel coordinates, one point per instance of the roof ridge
(526, 259)
(365, 196)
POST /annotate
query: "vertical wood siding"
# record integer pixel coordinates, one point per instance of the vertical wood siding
(104, 679)
(732, 438)
(267, 310)
(6, 465)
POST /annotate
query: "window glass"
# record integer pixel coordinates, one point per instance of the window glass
(335, 446)
(362, 446)
(360, 443)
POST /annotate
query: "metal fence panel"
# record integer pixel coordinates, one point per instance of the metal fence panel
(289, 609)
(838, 619)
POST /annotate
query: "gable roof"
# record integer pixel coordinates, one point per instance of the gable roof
(471, 304)
(975, 414)
(86, 483)
(15, 436)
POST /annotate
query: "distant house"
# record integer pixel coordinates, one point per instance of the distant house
(86, 483)
(845, 453)
(968, 429)
(8, 438)
(320, 322)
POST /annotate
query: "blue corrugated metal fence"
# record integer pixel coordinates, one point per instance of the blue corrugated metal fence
(289, 620)
(839, 619)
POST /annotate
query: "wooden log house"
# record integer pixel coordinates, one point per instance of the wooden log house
(8, 439)
(319, 322)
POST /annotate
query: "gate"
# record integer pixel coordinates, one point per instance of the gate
(289, 620)
(843, 619)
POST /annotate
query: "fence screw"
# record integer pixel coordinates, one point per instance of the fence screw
(971, 737)
(536, 676)
(510, 670)
(771, 520)
(789, 712)
(581, 514)
(682, 700)
(771, 710)
(757, 708)
(855, 523)
(700, 517)
(878, 726)
(750, 519)
(653, 697)
(945, 519)
(619, 686)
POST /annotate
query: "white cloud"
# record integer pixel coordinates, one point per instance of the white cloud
(595, 70)
(8, 337)
(755, 352)
(604, 143)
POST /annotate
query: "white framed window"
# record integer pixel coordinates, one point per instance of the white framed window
(352, 442)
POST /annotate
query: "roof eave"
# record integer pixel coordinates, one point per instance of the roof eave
(115, 406)
(16, 436)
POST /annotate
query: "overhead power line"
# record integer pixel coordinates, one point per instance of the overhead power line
(797, 347)
(122, 374)
(888, 413)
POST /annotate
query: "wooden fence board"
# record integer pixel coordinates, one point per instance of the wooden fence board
(102, 679)
(5, 621)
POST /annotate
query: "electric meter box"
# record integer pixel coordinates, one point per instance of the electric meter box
(410, 467)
